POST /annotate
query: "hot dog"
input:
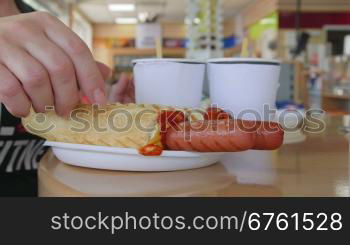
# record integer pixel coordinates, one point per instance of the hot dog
(269, 135)
(210, 136)
(152, 128)
(224, 136)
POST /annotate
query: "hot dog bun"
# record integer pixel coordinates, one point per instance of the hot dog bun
(114, 118)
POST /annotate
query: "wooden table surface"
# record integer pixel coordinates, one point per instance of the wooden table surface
(319, 166)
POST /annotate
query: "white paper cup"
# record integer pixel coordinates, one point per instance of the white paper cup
(173, 82)
(244, 86)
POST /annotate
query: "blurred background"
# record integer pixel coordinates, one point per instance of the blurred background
(310, 37)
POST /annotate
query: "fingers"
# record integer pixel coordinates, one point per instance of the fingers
(131, 89)
(128, 100)
(130, 92)
(105, 72)
(12, 94)
(122, 84)
(123, 91)
(119, 89)
(46, 63)
(30, 73)
(61, 72)
(104, 69)
(88, 74)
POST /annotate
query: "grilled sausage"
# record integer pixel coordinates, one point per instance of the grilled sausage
(269, 136)
(224, 136)
(210, 136)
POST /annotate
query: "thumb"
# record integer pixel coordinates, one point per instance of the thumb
(104, 69)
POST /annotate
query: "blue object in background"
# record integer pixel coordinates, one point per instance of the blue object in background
(229, 42)
(185, 43)
(287, 104)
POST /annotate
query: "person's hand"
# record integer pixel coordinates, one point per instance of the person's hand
(123, 91)
(44, 63)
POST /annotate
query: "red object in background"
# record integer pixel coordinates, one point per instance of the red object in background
(313, 20)
(173, 43)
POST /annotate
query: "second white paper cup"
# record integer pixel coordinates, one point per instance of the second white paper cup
(172, 82)
(244, 86)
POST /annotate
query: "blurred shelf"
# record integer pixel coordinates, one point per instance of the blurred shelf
(336, 96)
(176, 52)
(230, 52)
(334, 103)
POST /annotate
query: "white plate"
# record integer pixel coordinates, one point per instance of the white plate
(127, 159)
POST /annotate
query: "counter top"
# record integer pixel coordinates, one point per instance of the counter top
(318, 166)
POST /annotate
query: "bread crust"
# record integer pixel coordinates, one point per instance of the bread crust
(118, 125)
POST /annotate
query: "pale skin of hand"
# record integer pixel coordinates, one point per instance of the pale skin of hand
(123, 91)
(44, 63)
